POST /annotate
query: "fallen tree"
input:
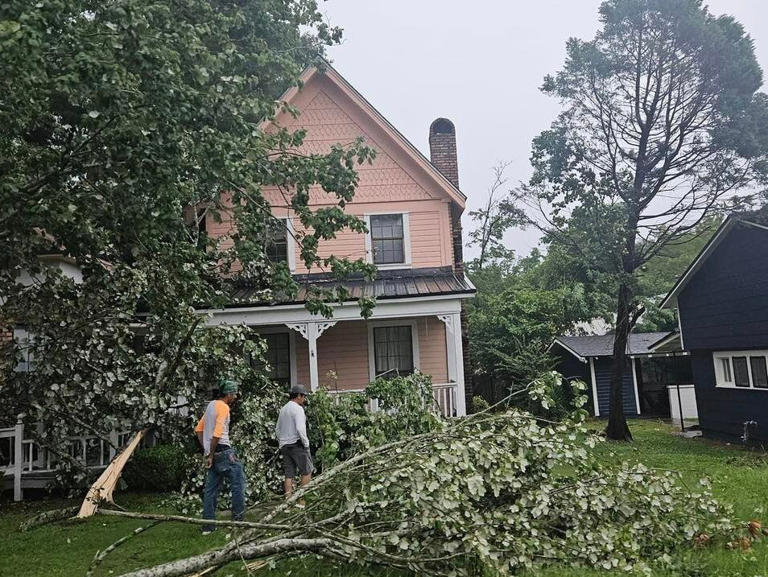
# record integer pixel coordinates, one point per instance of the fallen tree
(497, 491)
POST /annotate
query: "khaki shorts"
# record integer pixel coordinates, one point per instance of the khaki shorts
(296, 459)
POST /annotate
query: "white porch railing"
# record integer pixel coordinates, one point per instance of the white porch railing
(20, 457)
(445, 398)
(444, 394)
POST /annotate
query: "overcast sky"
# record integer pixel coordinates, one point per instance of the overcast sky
(481, 64)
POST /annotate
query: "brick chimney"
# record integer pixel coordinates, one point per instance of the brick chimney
(442, 149)
(442, 152)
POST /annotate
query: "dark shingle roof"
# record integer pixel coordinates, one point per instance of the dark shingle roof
(390, 284)
(602, 345)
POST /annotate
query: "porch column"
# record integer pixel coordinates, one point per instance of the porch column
(311, 331)
(455, 354)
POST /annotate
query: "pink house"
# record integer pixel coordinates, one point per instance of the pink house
(413, 208)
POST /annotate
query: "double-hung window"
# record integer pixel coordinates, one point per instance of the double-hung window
(278, 357)
(279, 245)
(25, 344)
(277, 241)
(389, 243)
(393, 350)
(741, 369)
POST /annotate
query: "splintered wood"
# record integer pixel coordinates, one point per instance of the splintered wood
(104, 486)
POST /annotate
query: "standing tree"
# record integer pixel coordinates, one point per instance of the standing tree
(494, 219)
(121, 125)
(662, 125)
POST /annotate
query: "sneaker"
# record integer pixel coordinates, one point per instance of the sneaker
(207, 531)
(300, 505)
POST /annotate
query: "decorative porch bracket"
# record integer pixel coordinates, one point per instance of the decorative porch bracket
(311, 331)
(455, 353)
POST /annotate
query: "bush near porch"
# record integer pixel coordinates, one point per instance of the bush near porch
(739, 477)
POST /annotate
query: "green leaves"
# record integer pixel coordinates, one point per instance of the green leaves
(119, 123)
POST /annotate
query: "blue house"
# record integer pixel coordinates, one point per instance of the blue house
(722, 307)
(655, 363)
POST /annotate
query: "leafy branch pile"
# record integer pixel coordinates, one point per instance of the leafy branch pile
(497, 491)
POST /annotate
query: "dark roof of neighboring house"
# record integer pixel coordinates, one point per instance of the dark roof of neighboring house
(602, 345)
(390, 284)
(753, 220)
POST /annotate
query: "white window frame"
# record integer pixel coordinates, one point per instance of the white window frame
(290, 245)
(406, 240)
(22, 339)
(720, 376)
(392, 323)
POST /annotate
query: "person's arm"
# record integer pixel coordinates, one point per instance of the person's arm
(222, 412)
(199, 430)
(301, 426)
(209, 456)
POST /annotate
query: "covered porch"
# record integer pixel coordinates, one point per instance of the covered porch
(345, 353)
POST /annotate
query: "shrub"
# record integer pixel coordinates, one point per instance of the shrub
(341, 425)
(479, 404)
(162, 468)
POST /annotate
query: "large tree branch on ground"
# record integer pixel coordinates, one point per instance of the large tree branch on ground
(449, 500)
(245, 551)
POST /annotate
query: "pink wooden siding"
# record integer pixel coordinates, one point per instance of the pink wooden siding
(394, 182)
(432, 351)
(344, 349)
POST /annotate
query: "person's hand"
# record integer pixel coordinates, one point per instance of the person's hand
(208, 459)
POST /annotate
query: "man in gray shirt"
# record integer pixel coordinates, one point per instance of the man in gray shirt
(291, 432)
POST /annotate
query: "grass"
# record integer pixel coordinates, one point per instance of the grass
(739, 477)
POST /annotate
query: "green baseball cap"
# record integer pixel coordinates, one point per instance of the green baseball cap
(227, 386)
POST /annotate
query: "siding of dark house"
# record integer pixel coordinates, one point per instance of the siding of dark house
(725, 304)
(724, 307)
(723, 412)
(603, 378)
(571, 367)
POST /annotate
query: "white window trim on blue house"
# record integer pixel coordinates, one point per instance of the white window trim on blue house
(726, 379)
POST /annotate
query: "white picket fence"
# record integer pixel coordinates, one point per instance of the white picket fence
(31, 465)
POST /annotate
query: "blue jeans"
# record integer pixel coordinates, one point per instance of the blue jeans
(225, 465)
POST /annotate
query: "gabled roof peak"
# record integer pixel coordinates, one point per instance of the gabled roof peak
(324, 68)
(743, 219)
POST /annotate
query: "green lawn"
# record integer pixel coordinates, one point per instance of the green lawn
(739, 477)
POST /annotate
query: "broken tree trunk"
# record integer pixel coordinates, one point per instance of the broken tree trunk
(104, 486)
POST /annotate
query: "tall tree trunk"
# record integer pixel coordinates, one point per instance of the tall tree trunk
(617, 428)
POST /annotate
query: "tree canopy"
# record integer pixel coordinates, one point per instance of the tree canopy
(122, 125)
(662, 125)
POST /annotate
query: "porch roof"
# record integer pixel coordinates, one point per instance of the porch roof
(389, 284)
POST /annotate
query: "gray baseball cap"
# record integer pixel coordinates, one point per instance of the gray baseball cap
(299, 390)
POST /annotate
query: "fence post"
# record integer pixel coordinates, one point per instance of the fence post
(680, 408)
(113, 442)
(18, 458)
